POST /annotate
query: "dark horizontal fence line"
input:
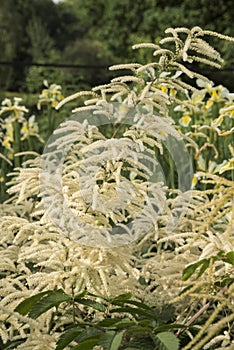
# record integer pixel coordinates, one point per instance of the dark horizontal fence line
(84, 66)
(55, 65)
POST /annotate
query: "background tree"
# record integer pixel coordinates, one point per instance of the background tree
(97, 33)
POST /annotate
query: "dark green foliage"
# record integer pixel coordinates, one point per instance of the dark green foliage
(204, 264)
(144, 325)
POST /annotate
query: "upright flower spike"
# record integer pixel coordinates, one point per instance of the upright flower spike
(37, 256)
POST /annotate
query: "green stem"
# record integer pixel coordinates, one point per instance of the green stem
(16, 144)
(51, 120)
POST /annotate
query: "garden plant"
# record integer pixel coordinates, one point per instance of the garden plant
(117, 227)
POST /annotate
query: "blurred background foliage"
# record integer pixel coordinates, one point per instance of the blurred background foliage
(94, 34)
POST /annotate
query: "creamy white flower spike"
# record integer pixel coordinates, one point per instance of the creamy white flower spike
(108, 191)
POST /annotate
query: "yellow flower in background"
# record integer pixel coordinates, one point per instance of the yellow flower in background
(164, 88)
(228, 110)
(6, 143)
(24, 129)
(197, 97)
(14, 107)
(185, 120)
(214, 94)
(194, 181)
(51, 95)
(54, 103)
(218, 121)
(208, 104)
(30, 128)
(173, 92)
(225, 166)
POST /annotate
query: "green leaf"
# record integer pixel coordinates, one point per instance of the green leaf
(25, 306)
(134, 311)
(168, 340)
(145, 323)
(141, 305)
(203, 268)
(122, 297)
(164, 313)
(140, 342)
(53, 299)
(89, 333)
(108, 322)
(142, 281)
(125, 323)
(116, 323)
(94, 304)
(80, 295)
(111, 340)
(224, 281)
(190, 269)
(67, 337)
(14, 344)
(229, 258)
(139, 329)
(132, 302)
(87, 344)
(99, 296)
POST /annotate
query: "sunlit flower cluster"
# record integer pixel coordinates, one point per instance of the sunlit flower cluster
(15, 125)
(50, 95)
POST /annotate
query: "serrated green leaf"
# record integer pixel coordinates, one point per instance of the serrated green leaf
(94, 304)
(87, 344)
(124, 323)
(122, 297)
(99, 296)
(132, 302)
(116, 323)
(203, 268)
(108, 322)
(190, 269)
(53, 299)
(139, 329)
(111, 340)
(139, 304)
(67, 337)
(168, 340)
(80, 295)
(140, 342)
(89, 333)
(164, 313)
(24, 307)
(145, 323)
(134, 311)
